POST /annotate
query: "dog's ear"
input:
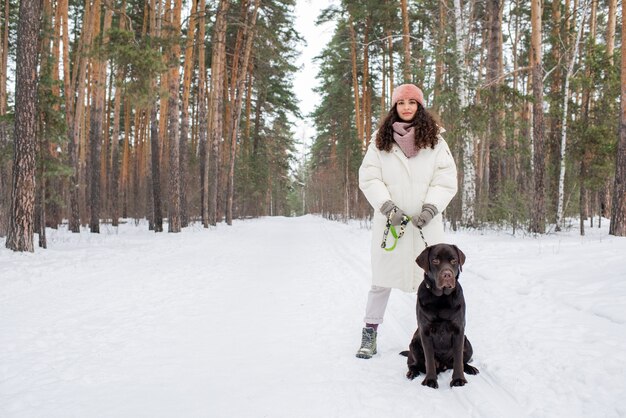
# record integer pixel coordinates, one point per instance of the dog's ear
(422, 259)
(460, 255)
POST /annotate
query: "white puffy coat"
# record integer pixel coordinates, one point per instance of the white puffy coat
(428, 177)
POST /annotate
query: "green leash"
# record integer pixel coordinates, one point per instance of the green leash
(389, 227)
(396, 236)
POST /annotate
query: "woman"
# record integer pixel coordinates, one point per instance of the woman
(408, 172)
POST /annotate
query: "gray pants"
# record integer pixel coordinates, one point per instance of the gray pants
(377, 299)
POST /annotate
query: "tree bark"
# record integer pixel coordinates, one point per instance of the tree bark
(439, 57)
(4, 60)
(495, 145)
(77, 110)
(95, 127)
(114, 188)
(568, 75)
(367, 124)
(610, 29)
(355, 80)
(217, 98)
(391, 66)
(173, 105)
(406, 42)
(469, 172)
(21, 223)
(618, 211)
(184, 126)
(537, 218)
(237, 112)
(202, 117)
(556, 93)
(155, 154)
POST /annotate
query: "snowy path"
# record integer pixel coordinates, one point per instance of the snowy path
(262, 319)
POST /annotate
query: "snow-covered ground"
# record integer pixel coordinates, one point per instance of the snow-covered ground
(262, 319)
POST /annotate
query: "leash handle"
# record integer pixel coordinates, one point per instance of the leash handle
(396, 236)
(390, 227)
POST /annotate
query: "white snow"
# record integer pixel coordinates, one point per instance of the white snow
(262, 319)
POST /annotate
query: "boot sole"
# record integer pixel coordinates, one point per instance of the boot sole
(365, 356)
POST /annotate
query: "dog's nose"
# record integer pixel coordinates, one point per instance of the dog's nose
(447, 279)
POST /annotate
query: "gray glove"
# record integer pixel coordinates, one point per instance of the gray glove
(386, 209)
(428, 213)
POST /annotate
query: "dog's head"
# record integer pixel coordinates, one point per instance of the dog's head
(442, 265)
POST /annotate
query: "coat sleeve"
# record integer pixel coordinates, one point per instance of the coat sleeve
(444, 183)
(371, 179)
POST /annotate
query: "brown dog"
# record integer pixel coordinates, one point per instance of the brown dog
(439, 343)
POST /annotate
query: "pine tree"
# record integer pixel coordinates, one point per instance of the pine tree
(537, 218)
(20, 236)
(618, 211)
(469, 174)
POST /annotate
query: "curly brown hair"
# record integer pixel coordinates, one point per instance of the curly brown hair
(426, 129)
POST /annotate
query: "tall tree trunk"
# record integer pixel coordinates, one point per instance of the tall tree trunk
(495, 146)
(202, 117)
(587, 153)
(78, 107)
(5, 175)
(184, 125)
(537, 218)
(241, 77)
(367, 120)
(155, 148)
(157, 206)
(114, 188)
(174, 224)
(568, 75)
(163, 139)
(610, 29)
(95, 127)
(241, 33)
(517, 112)
(41, 195)
(391, 66)
(618, 211)
(68, 88)
(406, 42)
(20, 236)
(383, 90)
(125, 171)
(355, 81)
(439, 57)
(48, 52)
(230, 96)
(469, 172)
(556, 92)
(4, 59)
(217, 98)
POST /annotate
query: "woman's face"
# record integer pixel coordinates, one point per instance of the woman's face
(406, 109)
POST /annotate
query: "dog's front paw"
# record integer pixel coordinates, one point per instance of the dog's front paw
(430, 383)
(470, 369)
(460, 381)
(412, 374)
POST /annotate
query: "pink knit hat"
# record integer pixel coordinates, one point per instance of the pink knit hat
(407, 91)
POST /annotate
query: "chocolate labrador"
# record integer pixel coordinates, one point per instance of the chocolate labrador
(439, 343)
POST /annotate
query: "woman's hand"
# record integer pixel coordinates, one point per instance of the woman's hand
(398, 215)
(428, 213)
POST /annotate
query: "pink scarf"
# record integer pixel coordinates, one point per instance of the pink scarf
(405, 138)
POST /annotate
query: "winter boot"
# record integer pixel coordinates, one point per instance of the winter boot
(368, 343)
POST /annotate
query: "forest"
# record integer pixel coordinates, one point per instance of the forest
(180, 112)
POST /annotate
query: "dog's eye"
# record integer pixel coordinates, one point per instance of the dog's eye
(453, 261)
(436, 261)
